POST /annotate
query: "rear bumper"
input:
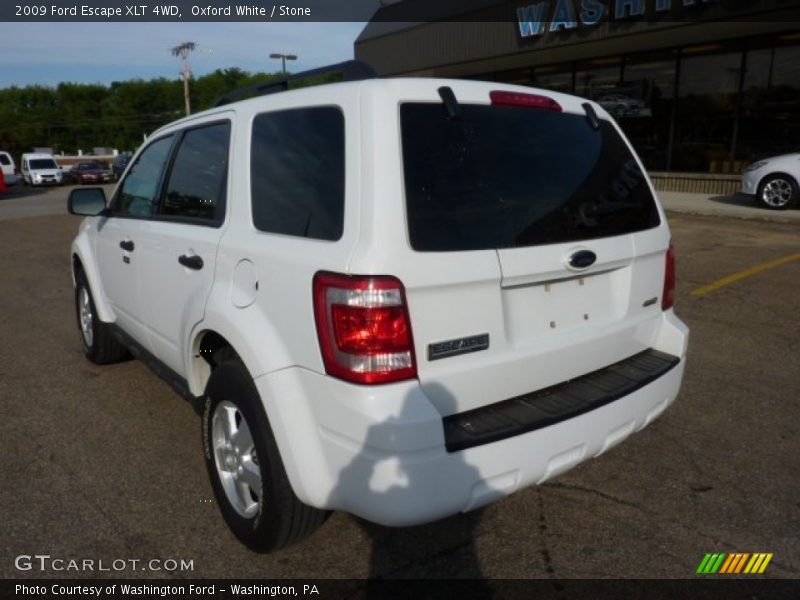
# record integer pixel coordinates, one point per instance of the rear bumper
(380, 452)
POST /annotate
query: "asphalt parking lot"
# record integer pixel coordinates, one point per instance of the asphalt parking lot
(105, 463)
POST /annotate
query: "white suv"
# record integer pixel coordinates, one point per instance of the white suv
(400, 298)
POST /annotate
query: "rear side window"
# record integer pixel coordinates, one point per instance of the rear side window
(4, 160)
(506, 177)
(199, 175)
(297, 172)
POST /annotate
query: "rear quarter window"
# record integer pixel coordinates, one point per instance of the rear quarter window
(506, 177)
(297, 172)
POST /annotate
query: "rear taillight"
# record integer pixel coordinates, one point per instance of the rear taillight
(363, 328)
(499, 98)
(668, 296)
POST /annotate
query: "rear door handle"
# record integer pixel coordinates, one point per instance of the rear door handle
(126, 245)
(192, 262)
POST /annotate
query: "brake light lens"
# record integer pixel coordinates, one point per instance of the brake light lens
(363, 328)
(668, 296)
(499, 98)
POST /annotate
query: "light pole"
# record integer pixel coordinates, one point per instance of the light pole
(183, 52)
(284, 58)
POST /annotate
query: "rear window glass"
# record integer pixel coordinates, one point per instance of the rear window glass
(297, 172)
(506, 177)
(42, 163)
(4, 160)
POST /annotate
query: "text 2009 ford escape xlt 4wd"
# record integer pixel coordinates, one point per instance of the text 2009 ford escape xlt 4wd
(401, 298)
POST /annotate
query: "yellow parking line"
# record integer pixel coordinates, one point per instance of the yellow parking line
(706, 289)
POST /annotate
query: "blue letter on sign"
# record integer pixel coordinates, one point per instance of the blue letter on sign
(563, 16)
(634, 8)
(530, 19)
(591, 12)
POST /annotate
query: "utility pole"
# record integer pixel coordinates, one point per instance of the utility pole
(284, 58)
(183, 51)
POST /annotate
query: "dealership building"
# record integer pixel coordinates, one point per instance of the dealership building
(700, 87)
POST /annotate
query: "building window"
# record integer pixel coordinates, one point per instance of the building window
(707, 94)
(770, 115)
(644, 105)
(598, 78)
(556, 77)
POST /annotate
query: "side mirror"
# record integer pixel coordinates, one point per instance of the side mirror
(87, 202)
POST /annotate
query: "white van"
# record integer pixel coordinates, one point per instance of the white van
(8, 168)
(40, 169)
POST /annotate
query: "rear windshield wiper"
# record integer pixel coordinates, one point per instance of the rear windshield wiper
(591, 116)
(451, 105)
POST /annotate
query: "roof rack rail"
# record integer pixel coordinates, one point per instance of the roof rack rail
(351, 70)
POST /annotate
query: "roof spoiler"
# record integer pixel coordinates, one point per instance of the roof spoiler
(351, 70)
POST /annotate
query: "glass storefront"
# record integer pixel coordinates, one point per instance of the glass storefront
(711, 108)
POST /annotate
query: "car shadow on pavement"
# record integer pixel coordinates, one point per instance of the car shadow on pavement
(20, 191)
(443, 549)
(735, 200)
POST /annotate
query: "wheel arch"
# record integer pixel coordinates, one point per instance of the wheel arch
(80, 262)
(260, 350)
(776, 174)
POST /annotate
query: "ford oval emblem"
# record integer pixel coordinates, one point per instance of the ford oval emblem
(582, 259)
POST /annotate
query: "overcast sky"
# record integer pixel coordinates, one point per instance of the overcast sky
(49, 53)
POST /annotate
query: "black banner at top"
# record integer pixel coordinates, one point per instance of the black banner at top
(563, 12)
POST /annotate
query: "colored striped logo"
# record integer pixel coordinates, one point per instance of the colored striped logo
(735, 562)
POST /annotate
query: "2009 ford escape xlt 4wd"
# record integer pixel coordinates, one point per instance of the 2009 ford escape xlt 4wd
(401, 298)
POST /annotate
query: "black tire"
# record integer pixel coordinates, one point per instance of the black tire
(100, 346)
(778, 191)
(277, 518)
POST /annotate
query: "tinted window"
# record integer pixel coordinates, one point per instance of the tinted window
(88, 167)
(139, 192)
(297, 172)
(504, 177)
(4, 160)
(198, 177)
(42, 163)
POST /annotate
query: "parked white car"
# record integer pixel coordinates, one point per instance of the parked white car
(8, 169)
(401, 298)
(774, 181)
